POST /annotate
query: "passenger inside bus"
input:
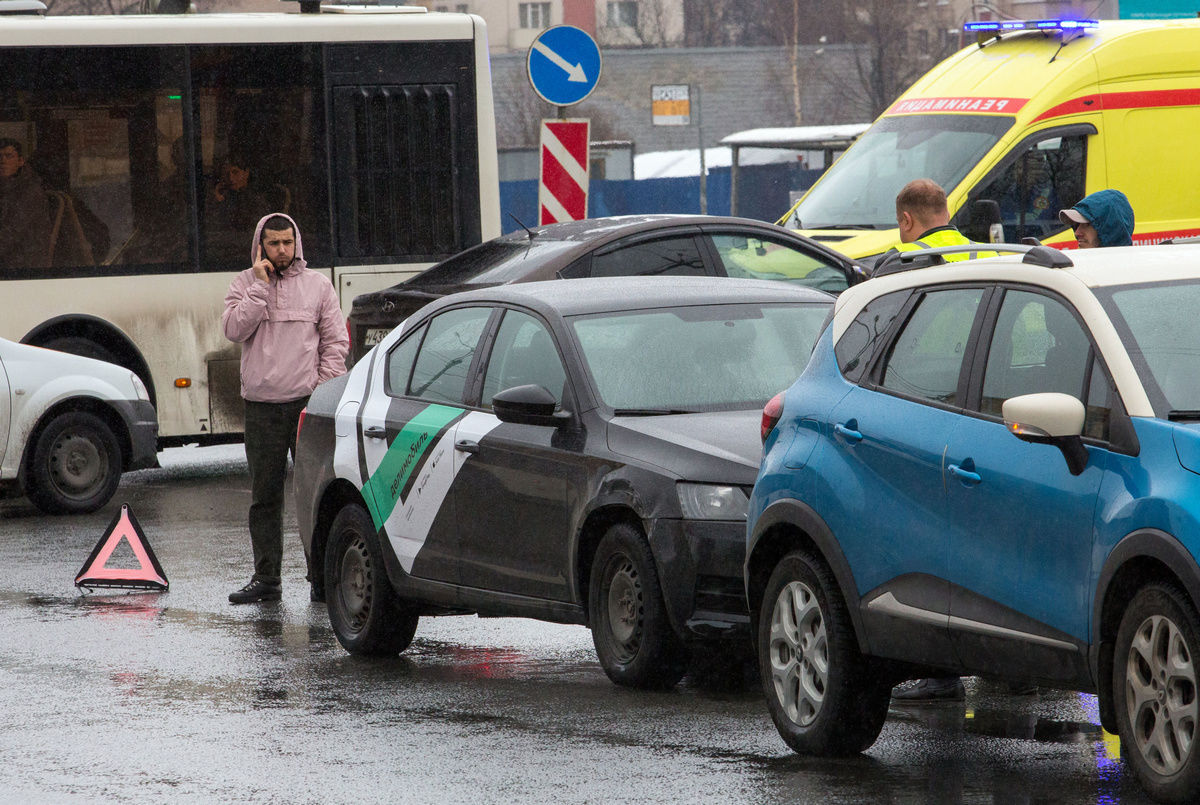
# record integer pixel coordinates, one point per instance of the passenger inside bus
(24, 211)
(237, 200)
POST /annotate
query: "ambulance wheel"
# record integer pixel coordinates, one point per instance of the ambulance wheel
(366, 614)
(75, 465)
(633, 636)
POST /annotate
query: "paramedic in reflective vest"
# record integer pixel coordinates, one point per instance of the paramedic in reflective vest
(924, 222)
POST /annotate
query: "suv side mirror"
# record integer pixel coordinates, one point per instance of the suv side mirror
(1049, 418)
(528, 405)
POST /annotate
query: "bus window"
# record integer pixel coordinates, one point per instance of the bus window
(260, 148)
(91, 125)
(1032, 187)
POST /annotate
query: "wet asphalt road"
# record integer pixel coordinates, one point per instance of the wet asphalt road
(182, 697)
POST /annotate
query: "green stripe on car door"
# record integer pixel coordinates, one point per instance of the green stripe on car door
(403, 456)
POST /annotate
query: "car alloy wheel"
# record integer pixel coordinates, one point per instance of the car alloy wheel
(799, 653)
(824, 696)
(1156, 692)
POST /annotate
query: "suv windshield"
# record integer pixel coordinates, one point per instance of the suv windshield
(859, 191)
(700, 358)
(492, 263)
(1157, 323)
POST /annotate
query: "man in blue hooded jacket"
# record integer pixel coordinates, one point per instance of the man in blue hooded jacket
(1102, 219)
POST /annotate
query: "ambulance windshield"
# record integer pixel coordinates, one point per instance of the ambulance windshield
(859, 191)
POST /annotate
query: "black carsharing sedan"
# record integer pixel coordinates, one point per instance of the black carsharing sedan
(577, 452)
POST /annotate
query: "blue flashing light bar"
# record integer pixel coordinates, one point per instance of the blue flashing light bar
(1005, 26)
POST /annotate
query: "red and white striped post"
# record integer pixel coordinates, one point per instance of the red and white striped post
(563, 188)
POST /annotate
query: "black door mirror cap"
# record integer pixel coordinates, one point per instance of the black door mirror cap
(528, 405)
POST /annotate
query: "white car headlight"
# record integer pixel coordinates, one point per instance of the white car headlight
(712, 501)
(139, 387)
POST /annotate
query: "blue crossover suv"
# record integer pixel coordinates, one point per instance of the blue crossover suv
(991, 467)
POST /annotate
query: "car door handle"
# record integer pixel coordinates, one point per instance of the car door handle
(375, 432)
(466, 446)
(966, 476)
(849, 431)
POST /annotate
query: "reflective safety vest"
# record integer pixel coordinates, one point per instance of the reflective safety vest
(945, 237)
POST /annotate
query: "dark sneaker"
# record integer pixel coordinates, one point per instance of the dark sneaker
(946, 689)
(256, 591)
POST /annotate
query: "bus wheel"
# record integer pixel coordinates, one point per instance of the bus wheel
(366, 614)
(84, 347)
(75, 465)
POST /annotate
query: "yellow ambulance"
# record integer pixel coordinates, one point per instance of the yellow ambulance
(1033, 117)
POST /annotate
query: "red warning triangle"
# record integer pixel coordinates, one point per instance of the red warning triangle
(147, 575)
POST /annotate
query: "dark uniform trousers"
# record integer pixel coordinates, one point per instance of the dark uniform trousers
(270, 435)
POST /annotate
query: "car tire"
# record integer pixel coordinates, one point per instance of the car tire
(75, 465)
(367, 616)
(633, 636)
(1155, 677)
(824, 696)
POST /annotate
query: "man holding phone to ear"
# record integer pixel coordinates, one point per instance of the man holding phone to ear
(293, 336)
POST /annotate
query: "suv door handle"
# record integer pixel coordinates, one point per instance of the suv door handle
(966, 476)
(849, 431)
(375, 432)
(466, 446)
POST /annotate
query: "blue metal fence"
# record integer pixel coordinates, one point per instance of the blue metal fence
(763, 193)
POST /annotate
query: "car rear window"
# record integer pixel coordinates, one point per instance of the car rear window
(698, 358)
(495, 262)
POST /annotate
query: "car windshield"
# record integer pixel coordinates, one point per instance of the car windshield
(495, 262)
(1157, 323)
(859, 191)
(698, 358)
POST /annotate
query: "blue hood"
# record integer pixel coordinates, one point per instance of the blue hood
(1108, 211)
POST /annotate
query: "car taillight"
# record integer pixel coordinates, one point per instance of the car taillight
(300, 424)
(771, 413)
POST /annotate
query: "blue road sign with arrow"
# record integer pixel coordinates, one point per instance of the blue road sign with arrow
(564, 65)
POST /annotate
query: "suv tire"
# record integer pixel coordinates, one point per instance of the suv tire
(1155, 670)
(365, 612)
(633, 636)
(821, 691)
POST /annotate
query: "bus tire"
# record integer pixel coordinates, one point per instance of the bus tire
(84, 347)
(75, 465)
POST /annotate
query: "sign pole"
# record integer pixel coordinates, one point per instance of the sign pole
(703, 170)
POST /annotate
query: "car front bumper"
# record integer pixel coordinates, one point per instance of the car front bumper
(141, 420)
(700, 570)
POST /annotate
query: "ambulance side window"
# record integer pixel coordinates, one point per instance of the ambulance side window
(1045, 177)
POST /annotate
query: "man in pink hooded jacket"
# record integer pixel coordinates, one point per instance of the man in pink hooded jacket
(293, 337)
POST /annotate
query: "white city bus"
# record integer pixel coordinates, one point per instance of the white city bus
(372, 126)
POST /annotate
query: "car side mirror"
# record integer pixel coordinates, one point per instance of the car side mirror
(1049, 418)
(528, 405)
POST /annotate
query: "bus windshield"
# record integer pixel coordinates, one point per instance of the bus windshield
(859, 191)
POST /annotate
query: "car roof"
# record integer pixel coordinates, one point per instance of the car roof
(592, 228)
(608, 294)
